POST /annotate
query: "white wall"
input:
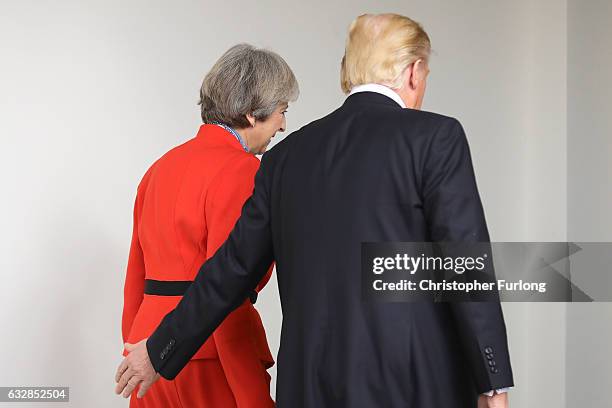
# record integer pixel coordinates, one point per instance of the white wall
(589, 327)
(545, 192)
(93, 91)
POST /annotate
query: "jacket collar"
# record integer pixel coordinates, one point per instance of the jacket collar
(369, 98)
(214, 135)
(380, 89)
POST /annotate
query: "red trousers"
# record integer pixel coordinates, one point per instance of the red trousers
(201, 384)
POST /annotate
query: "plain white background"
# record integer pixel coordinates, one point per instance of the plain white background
(92, 92)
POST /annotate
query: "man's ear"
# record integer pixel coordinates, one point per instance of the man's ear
(409, 78)
(418, 73)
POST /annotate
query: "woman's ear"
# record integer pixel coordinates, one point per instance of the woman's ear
(251, 119)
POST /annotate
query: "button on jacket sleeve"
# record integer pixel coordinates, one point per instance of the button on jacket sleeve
(221, 285)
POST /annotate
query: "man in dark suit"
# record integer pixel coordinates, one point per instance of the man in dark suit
(371, 171)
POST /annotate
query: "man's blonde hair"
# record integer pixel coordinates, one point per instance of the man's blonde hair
(379, 48)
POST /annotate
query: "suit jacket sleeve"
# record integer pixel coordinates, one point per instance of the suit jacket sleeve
(239, 360)
(133, 289)
(227, 195)
(220, 286)
(454, 214)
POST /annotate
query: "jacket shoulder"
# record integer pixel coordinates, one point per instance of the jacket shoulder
(426, 118)
(159, 161)
(238, 165)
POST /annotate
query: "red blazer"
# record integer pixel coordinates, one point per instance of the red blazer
(186, 205)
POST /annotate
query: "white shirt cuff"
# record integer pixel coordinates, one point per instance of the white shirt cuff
(498, 391)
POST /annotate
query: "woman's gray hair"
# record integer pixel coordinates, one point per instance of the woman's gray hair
(246, 80)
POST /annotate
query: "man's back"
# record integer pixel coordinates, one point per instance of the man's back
(368, 172)
(359, 175)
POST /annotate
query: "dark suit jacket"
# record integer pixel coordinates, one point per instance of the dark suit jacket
(368, 172)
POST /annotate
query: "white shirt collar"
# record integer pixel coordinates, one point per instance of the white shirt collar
(381, 89)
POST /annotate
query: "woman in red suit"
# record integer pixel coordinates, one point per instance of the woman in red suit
(186, 205)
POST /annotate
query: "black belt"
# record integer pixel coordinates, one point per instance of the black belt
(175, 288)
